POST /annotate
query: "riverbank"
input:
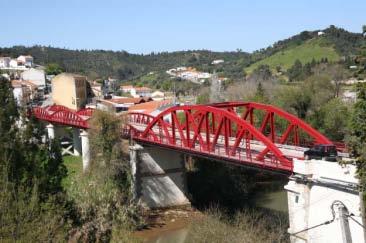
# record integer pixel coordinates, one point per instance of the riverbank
(168, 225)
(213, 225)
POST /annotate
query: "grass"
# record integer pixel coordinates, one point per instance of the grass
(74, 167)
(246, 226)
(316, 48)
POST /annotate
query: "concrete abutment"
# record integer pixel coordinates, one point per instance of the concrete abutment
(159, 177)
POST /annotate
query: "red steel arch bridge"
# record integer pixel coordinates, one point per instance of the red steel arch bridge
(243, 133)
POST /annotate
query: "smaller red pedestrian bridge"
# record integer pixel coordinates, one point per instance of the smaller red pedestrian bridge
(243, 133)
(63, 116)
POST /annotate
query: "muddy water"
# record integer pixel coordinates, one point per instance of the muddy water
(274, 200)
(176, 229)
(169, 226)
(176, 236)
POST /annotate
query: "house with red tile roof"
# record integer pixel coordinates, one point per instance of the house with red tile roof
(152, 107)
(121, 104)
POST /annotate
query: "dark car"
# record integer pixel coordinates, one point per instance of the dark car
(326, 152)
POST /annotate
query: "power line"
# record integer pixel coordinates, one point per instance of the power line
(336, 202)
(350, 216)
(313, 227)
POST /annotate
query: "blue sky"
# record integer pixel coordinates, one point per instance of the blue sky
(142, 26)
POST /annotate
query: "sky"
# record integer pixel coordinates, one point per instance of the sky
(144, 26)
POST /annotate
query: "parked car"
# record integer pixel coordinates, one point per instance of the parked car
(326, 152)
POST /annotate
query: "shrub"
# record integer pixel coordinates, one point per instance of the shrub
(246, 226)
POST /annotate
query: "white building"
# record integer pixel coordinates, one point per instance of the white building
(4, 62)
(13, 63)
(158, 95)
(140, 92)
(25, 61)
(189, 73)
(218, 61)
(126, 88)
(35, 76)
(320, 33)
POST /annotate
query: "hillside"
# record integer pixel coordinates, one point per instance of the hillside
(334, 44)
(125, 66)
(316, 48)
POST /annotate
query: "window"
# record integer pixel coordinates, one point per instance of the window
(297, 199)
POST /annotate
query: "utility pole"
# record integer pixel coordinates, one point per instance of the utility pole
(343, 217)
(175, 94)
(215, 95)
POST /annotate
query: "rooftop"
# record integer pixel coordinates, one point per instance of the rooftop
(149, 107)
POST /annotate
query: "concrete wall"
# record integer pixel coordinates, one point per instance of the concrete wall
(159, 176)
(313, 189)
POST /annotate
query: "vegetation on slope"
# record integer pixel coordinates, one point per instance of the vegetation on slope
(313, 49)
(246, 226)
(126, 66)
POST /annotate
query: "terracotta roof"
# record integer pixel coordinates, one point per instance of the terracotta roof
(16, 83)
(30, 83)
(127, 100)
(19, 83)
(142, 89)
(126, 86)
(149, 107)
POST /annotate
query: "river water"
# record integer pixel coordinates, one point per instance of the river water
(177, 231)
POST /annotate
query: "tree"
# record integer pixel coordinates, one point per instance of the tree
(358, 125)
(357, 139)
(103, 194)
(335, 119)
(260, 94)
(294, 99)
(296, 71)
(53, 69)
(261, 74)
(30, 178)
(203, 98)
(364, 30)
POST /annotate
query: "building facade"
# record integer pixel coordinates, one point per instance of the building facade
(4, 62)
(69, 90)
(25, 61)
(36, 76)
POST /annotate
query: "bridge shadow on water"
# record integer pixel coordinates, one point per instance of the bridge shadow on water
(234, 188)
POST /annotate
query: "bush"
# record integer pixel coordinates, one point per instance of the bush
(23, 218)
(246, 226)
(102, 195)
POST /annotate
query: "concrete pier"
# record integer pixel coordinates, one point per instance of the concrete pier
(76, 141)
(322, 196)
(85, 149)
(50, 131)
(159, 177)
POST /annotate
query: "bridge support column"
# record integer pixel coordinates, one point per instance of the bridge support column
(158, 176)
(51, 131)
(76, 141)
(325, 195)
(85, 149)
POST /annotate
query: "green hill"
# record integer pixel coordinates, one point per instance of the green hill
(317, 48)
(126, 66)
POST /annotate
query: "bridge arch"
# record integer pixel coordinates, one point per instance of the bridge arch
(205, 130)
(63, 115)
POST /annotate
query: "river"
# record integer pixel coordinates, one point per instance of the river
(176, 227)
